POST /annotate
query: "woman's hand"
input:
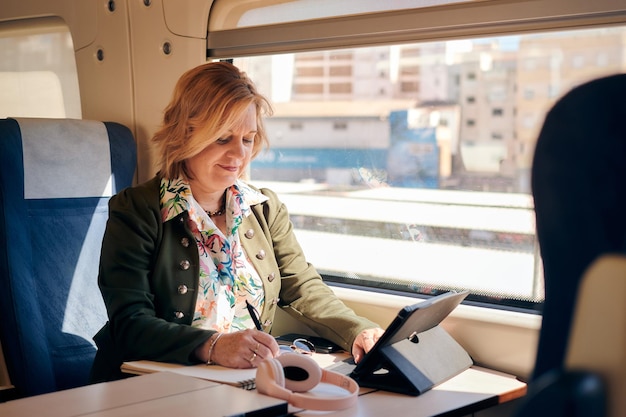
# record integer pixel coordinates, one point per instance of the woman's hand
(243, 349)
(365, 341)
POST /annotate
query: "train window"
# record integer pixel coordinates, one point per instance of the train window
(396, 199)
(43, 82)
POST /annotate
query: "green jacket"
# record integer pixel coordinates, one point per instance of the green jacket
(149, 275)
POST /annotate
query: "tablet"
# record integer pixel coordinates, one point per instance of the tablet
(415, 353)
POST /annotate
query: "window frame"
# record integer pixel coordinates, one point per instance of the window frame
(452, 21)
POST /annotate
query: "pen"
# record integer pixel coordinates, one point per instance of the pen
(254, 316)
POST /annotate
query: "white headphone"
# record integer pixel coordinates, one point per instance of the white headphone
(289, 375)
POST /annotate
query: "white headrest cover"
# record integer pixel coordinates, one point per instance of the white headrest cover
(65, 158)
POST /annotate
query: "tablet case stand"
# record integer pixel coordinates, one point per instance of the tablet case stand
(415, 365)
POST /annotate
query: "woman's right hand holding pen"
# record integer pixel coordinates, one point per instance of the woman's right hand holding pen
(242, 349)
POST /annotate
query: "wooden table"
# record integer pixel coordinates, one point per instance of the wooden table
(166, 394)
(473, 390)
(160, 394)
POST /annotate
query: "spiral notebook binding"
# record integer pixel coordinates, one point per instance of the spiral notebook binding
(247, 384)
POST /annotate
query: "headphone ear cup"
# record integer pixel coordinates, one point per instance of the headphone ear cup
(270, 379)
(298, 373)
(301, 373)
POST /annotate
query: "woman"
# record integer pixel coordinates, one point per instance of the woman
(186, 253)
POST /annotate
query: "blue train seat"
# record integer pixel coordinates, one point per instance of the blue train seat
(56, 177)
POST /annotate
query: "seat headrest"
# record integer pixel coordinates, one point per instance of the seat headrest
(55, 150)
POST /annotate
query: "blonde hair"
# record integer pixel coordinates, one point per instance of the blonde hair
(208, 99)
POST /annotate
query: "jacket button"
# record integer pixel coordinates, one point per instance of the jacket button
(260, 254)
(274, 301)
(179, 314)
(249, 234)
(185, 242)
(271, 277)
(184, 265)
(182, 289)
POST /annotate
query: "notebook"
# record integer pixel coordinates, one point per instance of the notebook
(242, 378)
(415, 353)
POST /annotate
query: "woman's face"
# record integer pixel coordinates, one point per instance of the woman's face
(220, 164)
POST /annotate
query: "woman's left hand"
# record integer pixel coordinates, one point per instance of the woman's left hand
(365, 341)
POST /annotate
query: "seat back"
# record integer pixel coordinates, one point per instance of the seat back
(56, 177)
(579, 189)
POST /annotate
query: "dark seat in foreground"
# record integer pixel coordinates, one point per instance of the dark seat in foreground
(579, 187)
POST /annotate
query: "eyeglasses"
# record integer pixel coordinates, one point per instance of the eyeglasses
(301, 346)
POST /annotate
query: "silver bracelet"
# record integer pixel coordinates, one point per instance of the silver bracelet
(208, 362)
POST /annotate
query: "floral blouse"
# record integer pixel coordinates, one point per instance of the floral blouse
(227, 278)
